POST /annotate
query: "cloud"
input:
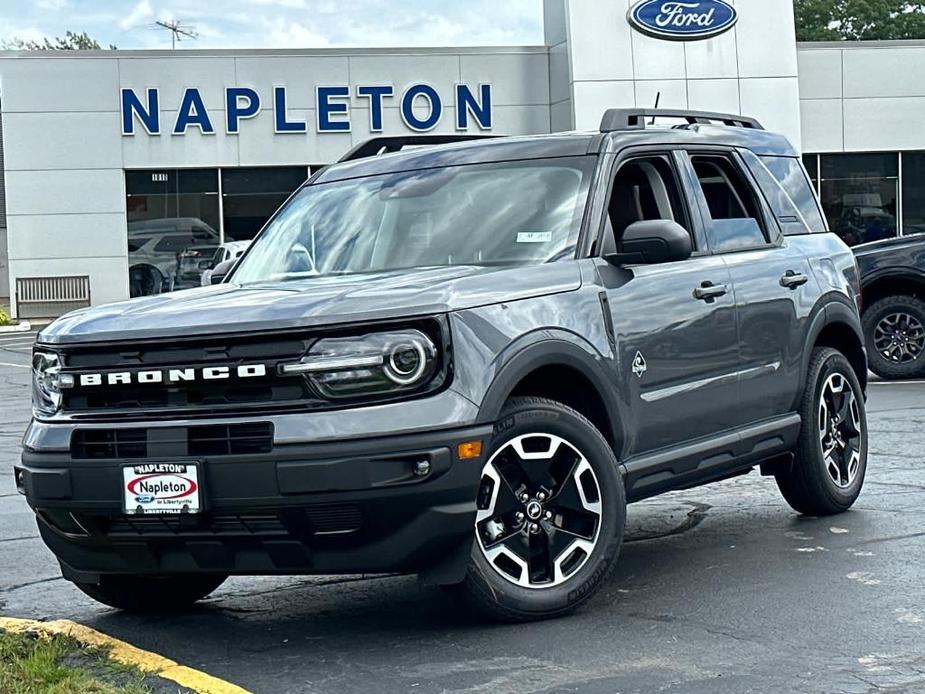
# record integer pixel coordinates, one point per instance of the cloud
(140, 14)
(51, 5)
(284, 34)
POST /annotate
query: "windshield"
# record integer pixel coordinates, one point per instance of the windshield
(481, 214)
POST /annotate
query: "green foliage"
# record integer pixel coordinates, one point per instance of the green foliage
(61, 665)
(70, 42)
(4, 317)
(859, 20)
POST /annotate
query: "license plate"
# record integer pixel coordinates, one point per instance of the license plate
(161, 488)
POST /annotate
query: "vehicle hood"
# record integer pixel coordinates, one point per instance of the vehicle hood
(230, 308)
(913, 241)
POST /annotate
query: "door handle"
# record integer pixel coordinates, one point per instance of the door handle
(709, 292)
(792, 280)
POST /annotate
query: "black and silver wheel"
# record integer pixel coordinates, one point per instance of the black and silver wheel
(831, 458)
(894, 328)
(550, 517)
(152, 593)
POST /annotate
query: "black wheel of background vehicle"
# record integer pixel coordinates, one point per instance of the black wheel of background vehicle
(152, 593)
(831, 455)
(551, 512)
(894, 329)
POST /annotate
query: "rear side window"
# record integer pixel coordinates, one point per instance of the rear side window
(735, 216)
(791, 176)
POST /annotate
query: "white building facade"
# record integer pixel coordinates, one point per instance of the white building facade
(126, 169)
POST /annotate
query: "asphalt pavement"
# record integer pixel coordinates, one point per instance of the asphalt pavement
(718, 589)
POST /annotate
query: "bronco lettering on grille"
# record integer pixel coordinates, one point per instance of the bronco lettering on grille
(208, 373)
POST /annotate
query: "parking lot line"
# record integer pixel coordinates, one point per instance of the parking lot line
(18, 366)
(126, 653)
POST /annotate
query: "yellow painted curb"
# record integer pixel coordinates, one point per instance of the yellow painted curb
(126, 653)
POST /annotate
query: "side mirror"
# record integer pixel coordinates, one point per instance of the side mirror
(221, 271)
(651, 242)
(205, 264)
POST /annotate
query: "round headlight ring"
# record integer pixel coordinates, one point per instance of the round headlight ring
(400, 374)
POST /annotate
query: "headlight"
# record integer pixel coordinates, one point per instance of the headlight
(47, 383)
(373, 364)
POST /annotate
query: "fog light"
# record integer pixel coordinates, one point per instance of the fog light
(20, 477)
(421, 468)
(469, 449)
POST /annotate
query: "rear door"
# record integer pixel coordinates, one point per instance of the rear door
(674, 322)
(771, 278)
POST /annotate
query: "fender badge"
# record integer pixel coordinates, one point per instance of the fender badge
(639, 365)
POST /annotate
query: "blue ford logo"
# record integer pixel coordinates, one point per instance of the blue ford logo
(679, 20)
(144, 498)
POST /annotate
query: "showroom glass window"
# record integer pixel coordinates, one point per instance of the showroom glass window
(913, 193)
(171, 213)
(859, 195)
(251, 195)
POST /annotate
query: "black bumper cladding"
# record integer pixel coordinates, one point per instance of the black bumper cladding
(393, 504)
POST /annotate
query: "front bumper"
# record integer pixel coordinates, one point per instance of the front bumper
(353, 506)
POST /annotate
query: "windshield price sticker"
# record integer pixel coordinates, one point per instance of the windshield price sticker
(160, 488)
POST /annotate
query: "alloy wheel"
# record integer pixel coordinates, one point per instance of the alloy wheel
(539, 511)
(840, 431)
(900, 337)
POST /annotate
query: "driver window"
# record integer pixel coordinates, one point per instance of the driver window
(643, 189)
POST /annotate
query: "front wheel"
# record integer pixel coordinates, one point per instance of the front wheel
(152, 593)
(831, 456)
(551, 512)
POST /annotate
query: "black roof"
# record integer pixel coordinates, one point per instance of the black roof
(619, 128)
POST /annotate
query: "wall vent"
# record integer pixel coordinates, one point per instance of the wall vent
(50, 297)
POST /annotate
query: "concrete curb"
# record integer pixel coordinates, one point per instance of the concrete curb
(126, 653)
(21, 327)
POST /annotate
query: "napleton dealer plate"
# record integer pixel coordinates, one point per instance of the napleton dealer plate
(161, 488)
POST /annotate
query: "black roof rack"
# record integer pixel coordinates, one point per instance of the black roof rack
(621, 119)
(384, 145)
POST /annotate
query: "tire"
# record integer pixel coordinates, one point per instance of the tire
(575, 498)
(810, 485)
(152, 593)
(902, 317)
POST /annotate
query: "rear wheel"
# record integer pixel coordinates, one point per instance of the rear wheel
(894, 328)
(831, 456)
(551, 511)
(152, 593)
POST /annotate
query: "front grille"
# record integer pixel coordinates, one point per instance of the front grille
(300, 522)
(204, 394)
(196, 441)
(216, 525)
(203, 376)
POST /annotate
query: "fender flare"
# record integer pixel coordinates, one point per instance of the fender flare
(903, 274)
(555, 351)
(833, 312)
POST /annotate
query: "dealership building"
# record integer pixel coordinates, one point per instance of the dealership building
(117, 165)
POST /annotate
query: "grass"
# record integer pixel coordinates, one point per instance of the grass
(60, 665)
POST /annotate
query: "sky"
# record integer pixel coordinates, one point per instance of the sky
(281, 23)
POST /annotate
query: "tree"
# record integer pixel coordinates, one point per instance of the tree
(70, 42)
(859, 20)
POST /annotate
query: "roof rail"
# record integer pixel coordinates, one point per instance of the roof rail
(622, 119)
(384, 145)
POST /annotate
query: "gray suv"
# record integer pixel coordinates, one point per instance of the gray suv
(461, 361)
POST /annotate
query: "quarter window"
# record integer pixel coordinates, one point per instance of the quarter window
(792, 178)
(735, 218)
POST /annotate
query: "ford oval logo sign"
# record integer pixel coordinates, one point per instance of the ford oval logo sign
(683, 20)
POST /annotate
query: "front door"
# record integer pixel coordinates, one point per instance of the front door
(674, 323)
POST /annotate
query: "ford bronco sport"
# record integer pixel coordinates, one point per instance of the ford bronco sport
(461, 361)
